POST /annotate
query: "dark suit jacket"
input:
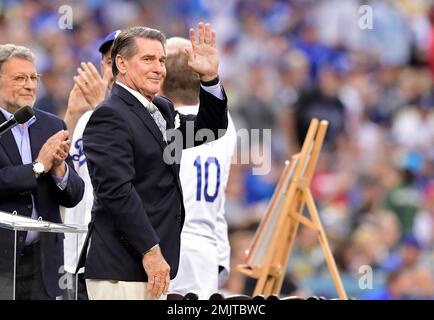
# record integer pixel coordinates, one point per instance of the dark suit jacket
(17, 182)
(138, 197)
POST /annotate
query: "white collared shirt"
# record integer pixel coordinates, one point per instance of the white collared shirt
(215, 90)
(136, 94)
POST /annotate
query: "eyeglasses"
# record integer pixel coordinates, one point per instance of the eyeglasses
(21, 79)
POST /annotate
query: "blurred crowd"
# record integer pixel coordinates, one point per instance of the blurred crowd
(284, 62)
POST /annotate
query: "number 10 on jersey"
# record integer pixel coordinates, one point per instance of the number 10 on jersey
(206, 166)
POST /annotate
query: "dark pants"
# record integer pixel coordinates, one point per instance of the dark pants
(82, 290)
(81, 294)
(29, 284)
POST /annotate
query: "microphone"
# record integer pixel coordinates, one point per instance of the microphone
(21, 116)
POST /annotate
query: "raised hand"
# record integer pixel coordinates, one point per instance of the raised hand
(91, 85)
(77, 106)
(203, 56)
(77, 103)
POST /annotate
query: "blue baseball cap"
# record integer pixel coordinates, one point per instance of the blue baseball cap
(411, 241)
(108, 41)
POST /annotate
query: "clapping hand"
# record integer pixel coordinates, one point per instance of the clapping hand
(54, 152)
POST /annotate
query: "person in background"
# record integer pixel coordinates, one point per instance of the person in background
(205, 252)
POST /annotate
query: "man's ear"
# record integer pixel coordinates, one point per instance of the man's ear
(121, 64)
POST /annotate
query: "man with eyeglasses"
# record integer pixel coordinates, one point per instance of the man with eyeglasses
(21, 79)
(35, 179)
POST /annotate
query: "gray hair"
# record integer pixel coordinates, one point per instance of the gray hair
(9, 51)
(181, 84)
(177, 44)
(125, 43)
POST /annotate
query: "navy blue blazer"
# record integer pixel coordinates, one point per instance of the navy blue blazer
(18, 181)
(138, 197)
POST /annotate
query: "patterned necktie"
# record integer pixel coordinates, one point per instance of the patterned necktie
(158, 118)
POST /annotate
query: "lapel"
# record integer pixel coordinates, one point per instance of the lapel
(159, 102)
(9, 146)
(140, 111)
(38, 135)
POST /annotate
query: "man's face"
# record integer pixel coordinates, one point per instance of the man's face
(145, 71)
(18, 84)
(106, 67)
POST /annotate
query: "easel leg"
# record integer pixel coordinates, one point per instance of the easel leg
(290, 229)
(325, 245)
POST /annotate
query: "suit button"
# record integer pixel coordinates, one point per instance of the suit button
(29, 206)
(20, 239)
(179, 216)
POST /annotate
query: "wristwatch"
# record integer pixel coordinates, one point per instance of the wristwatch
(38, 169)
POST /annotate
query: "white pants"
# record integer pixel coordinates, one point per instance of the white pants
(198, 267)
(118, 290)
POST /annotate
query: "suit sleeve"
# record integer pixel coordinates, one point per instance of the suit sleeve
(109, 153)
(71, 195)
(74, 190)
(21, 178)
(17, 179)
(209, 124)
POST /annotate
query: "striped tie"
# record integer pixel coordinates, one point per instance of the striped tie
(158, 118)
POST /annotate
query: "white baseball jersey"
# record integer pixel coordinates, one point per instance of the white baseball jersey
(205, 246)
(81, 213)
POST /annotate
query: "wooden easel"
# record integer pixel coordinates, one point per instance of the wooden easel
(271, 246)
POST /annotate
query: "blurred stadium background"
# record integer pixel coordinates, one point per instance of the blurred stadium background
(282, 63)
